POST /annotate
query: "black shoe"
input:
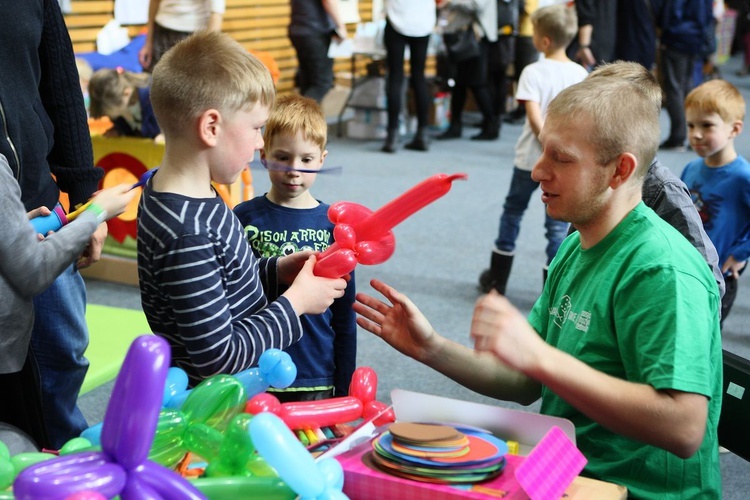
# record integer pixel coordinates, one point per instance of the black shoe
(451, 133)
(515, 118)
(486, 135)
(672, 145)
(389, 146)
(417, 144)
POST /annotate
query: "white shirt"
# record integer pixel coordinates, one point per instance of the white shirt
(187, 15)
(540, 82)
(414, 18)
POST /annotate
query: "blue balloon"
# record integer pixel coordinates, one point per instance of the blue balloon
(94, 434)
(177, 382)
(285, 453)
(253, 381)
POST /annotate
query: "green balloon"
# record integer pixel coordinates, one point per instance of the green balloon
(75, 445)
(7, 474)
(241, 488)
(23, 460)
(215, 401)
(4, 451)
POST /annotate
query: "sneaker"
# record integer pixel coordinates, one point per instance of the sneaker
(670, 145)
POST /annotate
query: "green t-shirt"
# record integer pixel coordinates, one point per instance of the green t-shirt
(643, 306)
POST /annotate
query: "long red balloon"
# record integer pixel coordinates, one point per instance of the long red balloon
(365, 237)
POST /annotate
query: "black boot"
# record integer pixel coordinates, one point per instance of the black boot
(490, 130)
(391, 141)
(453, 132)
(419, 142)
(497, 275)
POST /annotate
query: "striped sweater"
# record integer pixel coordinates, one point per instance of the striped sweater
(202, 289)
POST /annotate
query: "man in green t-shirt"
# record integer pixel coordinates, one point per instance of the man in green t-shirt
(624, 340)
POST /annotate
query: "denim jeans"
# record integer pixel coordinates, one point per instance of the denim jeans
(522, 186)
(58, 341)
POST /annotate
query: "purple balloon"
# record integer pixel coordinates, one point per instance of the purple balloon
(64, 476)
(133, 411)
(164, 482)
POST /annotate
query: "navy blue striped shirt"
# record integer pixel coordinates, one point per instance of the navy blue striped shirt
(202, 289)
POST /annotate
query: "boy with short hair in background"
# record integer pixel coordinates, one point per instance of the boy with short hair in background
(288, 219)
(202, 288)
(554, 27)
(719, 181)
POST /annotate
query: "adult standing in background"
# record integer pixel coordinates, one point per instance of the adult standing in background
(314, 23)
(597, 24)
(169, 21)
(46, 132)
(480, 16)
(408, 22)
(685, 26)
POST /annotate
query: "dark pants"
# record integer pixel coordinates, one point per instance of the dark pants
(676, 71)
(500, 55)
(314, 76)
(729, 295)
(395, 44)
(21, 404)
(472, 74)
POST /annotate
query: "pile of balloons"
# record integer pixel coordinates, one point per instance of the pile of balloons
(248, 456)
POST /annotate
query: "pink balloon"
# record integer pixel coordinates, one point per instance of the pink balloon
(364, 384)
(364, 236)
(324, 413)
(263, 402)
(373, 408)
(86, 495)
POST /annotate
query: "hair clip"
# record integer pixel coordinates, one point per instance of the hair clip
(283, 168)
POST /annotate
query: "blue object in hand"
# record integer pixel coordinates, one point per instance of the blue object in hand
(51, 222)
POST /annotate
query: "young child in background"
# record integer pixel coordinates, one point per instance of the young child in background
(28, 265)
(554, 28)
(85, 72)
(202, 289)
(719, 181)
(288, 219)
(123, 97)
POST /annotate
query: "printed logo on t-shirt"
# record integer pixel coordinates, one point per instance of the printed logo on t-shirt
(564, 312)
(269, 243)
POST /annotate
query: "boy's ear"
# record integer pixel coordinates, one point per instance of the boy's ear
(323, 156)
(737, 127)
(209, 127)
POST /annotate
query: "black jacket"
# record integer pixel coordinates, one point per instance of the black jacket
(43, 124)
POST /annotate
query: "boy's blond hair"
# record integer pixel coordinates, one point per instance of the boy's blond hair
(557, 22)
(635, 73)
(106, 88)
(207, 70)
(717, 96)
(623, 118)
(295, 113)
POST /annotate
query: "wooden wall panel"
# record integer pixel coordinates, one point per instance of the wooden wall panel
(257, 24)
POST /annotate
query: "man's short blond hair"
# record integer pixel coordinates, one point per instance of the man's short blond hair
(717, 96)
(635, 73)
(558, 22)
(294, 113)
(623, 118)
(207, 70)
